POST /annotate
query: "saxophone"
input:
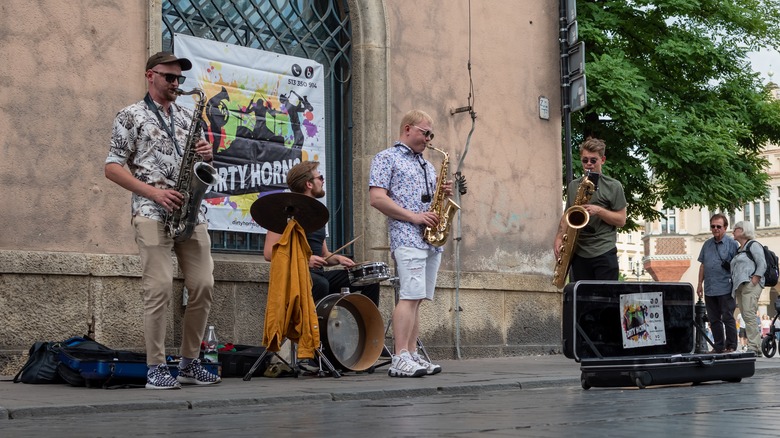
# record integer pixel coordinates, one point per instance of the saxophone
(195, 177)
(576, 217)
(444, 207)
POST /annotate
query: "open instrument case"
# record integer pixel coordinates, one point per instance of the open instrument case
(640, 334)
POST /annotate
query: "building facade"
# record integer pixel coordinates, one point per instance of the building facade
(672, 246)
(68, 261)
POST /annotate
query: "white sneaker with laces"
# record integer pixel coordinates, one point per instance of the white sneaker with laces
(404, 366)
(429, 367)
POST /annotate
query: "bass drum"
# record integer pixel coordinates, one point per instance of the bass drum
(351, 331)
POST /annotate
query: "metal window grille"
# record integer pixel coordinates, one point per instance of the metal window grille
(314, 29)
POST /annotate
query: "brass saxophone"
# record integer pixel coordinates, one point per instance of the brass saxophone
(444, 207)
(576, 217)
(195, 177)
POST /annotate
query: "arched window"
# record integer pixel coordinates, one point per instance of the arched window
(314, 29)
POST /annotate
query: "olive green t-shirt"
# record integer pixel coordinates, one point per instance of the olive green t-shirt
(598, 237)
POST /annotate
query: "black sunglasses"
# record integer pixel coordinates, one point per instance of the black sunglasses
(170, 77)
(716, 226)
(321, 178)
(592, 160)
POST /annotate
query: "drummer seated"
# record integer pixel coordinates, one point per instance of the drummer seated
(325, 281)
(305, 178)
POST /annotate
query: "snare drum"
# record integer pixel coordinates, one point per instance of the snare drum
(351, 331)
(368, 273)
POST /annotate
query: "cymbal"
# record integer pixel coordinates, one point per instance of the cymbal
(381, 248)
(272, 211)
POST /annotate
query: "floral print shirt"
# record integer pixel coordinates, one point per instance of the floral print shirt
(138, 141)
(407, 177)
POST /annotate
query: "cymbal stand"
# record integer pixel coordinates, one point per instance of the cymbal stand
(322, 359)
(293, 356)
(259, 361)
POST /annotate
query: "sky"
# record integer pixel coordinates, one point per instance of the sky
(764, 61)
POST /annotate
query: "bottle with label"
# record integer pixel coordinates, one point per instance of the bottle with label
(211, 355)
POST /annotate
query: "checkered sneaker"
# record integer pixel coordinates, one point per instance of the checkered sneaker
(195, 374)
(429, 367)
(404, 366)
(160, 377)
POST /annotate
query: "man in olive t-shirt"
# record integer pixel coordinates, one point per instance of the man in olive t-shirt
(595, 254)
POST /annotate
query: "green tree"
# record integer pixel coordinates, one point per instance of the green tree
(671, 92)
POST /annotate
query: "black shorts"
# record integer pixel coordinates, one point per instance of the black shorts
(742, 333)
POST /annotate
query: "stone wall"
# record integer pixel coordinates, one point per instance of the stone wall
(47, 296)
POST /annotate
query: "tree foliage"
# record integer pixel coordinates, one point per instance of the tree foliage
(671, 92)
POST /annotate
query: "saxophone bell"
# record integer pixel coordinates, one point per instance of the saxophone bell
(577, 217)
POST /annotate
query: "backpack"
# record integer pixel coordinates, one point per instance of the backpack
(42, 363)
(772, 272)
(41, 366)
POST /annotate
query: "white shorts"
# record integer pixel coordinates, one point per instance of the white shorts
(416, 270)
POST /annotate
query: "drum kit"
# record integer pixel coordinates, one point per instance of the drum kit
(352, 332)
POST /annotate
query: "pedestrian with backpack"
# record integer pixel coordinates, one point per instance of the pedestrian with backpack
(747, 279)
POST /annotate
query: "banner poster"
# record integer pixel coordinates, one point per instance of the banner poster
(264, 113)
(642, 319)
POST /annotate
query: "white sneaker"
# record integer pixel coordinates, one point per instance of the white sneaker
(404, 366)
(430, 368)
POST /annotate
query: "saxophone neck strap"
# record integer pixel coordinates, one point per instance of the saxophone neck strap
(168, 127)
(421, 161)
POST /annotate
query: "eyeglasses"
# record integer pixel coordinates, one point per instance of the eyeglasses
(426, 133)
(716, 226)
(592, 160)
(321, 178)
(170, 77)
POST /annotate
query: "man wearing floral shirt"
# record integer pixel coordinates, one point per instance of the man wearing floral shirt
(147, 144)
(402, 185)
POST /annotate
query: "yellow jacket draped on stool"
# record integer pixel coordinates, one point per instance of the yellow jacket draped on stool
(290, 311)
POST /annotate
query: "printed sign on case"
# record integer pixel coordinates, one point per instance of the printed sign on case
(642, 319)
(265, 113)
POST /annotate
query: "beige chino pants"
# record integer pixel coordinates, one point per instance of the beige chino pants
(194, 256)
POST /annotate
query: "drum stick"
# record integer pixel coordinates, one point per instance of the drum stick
(345, 245)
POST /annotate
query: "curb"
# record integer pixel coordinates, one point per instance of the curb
(51, 411)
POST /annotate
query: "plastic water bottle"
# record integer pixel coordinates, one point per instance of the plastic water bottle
(211, 355)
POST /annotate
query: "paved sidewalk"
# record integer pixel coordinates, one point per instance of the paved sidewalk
(458, 376)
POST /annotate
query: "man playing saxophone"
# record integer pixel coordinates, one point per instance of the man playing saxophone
(149, 138)
(402, 185)
(595, 252)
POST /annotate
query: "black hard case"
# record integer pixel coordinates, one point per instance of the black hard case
(592, 336)
(665, 370)
(591, 319)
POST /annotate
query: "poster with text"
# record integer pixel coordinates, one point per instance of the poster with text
(264, 113)
(642, 319)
